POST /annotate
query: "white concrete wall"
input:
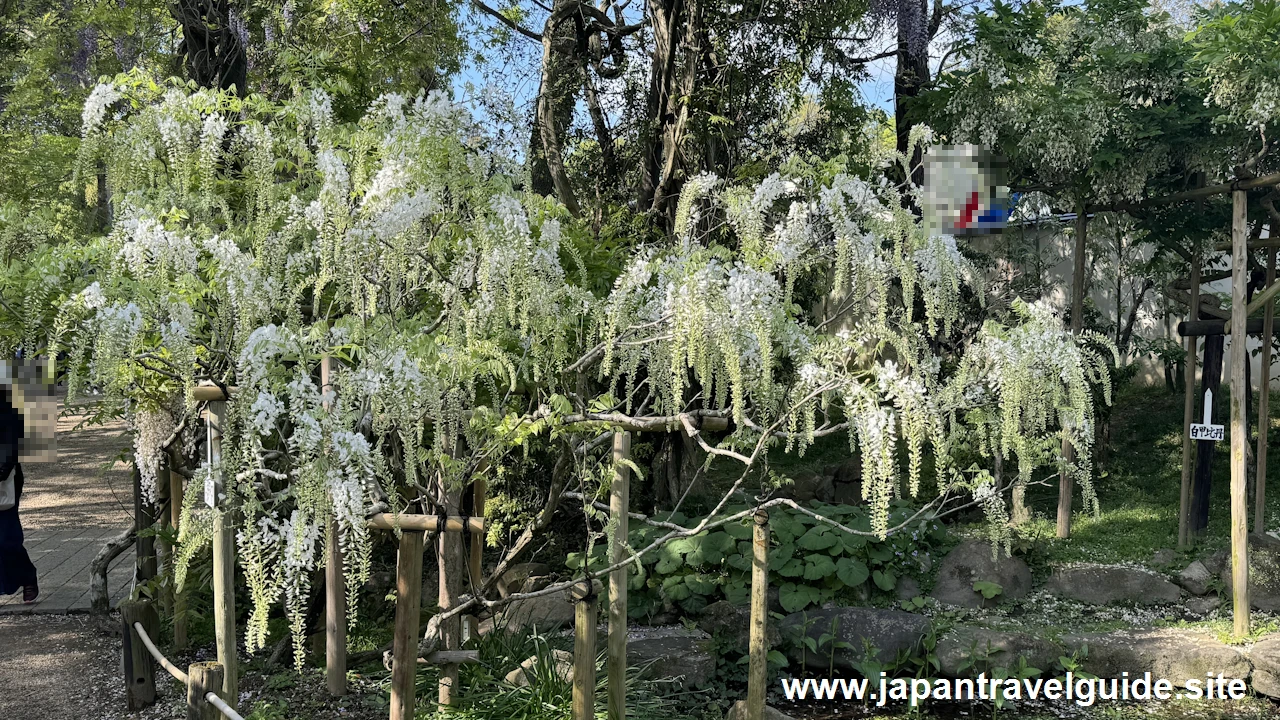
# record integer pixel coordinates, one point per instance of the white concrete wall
(1157, 317)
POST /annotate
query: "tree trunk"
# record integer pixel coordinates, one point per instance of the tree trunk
(213, 53)
(1066, 483)
(664, 17)
(556, 97)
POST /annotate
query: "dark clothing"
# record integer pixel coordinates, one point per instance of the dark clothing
(16, 570)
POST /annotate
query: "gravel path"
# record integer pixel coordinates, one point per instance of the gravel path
(62, 666)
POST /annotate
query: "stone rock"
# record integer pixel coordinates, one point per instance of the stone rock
(1198, 607)
(1265, 657)
(1216, 562)
(536, 583)
(907, 588)
(739, 712)
(848, 472)
(847, 479)
(545, 612)
(1109, 585)
(1176, 655)
(809, 485)
(1264, 573)
(971, 561)
(1195, 578)
(513, 579)
(888, 632)
(967, 651)
(674, 653)
(732, 623)
(561, 659)
(1163, 558)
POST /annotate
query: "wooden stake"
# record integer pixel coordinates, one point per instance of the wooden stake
(1066, 483)
(139, 670)
(1239, 418)
(619, 506)
(1188, 412)
(480, 488)
(404, 653)
(584, 651)
(1264, 403)
(202, 679)
(452, 564)
(757, 672)
(224, 568)
(335, 591)
(176, 494)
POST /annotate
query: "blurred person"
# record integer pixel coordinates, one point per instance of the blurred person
(16, 570)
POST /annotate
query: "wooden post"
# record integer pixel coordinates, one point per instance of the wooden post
(452, 564)
(584, 651)
(1239, 416)
(139, 670)
(404, 651)
(224, 567)
(203, 678)
(176, 495)
(335, 591)
(619, 506)
(758, 670)
(1264, 403)
(1066, 483)
(480, 488)
(1188, 412)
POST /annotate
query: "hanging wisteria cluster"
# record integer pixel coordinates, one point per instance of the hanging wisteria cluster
(255, 242)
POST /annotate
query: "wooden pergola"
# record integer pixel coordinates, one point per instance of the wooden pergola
(1239, 324)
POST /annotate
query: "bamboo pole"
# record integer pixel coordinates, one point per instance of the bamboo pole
(404, 650)
(335, 591)
(1066, 482)
(584, 651)
(758, 669)
(1264, 403)
(176, 495)
(1239, 419)
(224, 568)
(1189, 411)
(619, 506)
(203, 678)
(426, 523)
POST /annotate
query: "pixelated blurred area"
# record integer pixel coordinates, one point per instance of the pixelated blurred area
(964, 190)
(32, 391)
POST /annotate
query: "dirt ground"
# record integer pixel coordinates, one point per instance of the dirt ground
(62, 666)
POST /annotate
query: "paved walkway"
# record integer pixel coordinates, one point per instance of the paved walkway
(69, 510)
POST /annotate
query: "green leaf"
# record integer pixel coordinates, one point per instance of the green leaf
(817, 567)
(988, 589)
(851, 572)
(885, 580)
(795, 567)
(796, 597)
(817, 538)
